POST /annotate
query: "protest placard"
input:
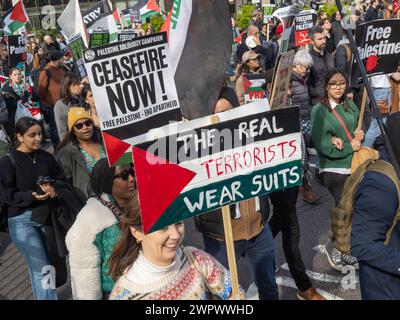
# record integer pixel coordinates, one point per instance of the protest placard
(76, 45)
(199, 168)
(254, 86)
(96, 12)
(134, 14)
(99, 38)
(378, 44)
(127, 35)
(134, 90)
(16, 50)
(281, 80)
(304, 21)
(268, 9)
(106, 24)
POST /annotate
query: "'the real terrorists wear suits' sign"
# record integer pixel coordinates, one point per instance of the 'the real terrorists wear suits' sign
(203, 167)
(134, 89)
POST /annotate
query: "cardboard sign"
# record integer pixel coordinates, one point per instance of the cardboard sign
(268, 9)
(76, 45)
(99, 38)
(134, 15)
(95, 13)
(378, 44)
(16, 50)
(304, 21)
(127, 35)
(200, 168)
(281, 80)
(134, 90)
(254, 87)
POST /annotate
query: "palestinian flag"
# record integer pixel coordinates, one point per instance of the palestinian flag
(117, 17)
(147, 8)
(15, 18)
(203, 52)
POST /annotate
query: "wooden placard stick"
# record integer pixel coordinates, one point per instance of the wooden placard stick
(230, 246)
(362, 110)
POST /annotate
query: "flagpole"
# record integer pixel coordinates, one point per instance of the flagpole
(354, 50)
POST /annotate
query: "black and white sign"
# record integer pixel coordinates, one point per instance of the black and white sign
(378, 43)
(16, 50)
(127, 35)
(133, 86)
(95, 13)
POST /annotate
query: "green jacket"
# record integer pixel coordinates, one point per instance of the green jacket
(324, 125)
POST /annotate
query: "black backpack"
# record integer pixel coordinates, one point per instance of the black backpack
(3, 206)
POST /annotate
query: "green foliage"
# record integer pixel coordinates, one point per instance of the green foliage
(156, 21)
(244, 16)
(330, 8)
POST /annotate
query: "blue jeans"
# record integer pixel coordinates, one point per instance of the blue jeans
(28, 238)
(373, 130)
(260, 252)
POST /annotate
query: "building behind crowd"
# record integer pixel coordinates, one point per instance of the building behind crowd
(39, 9)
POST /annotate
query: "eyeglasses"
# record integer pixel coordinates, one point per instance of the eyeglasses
(124, 175)
(337, 85)
(87, 123)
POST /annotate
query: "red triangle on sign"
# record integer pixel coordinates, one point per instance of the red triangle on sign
(246, 83)
(115, 148)
(159, 183)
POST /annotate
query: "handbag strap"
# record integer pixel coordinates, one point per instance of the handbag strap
(342, 123)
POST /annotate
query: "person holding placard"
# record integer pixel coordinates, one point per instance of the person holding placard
(252, 234)
(333, 129)
(155, 266)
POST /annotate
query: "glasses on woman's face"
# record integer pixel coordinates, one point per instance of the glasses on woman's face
(124, 174)
(87, 123)
(337, 85)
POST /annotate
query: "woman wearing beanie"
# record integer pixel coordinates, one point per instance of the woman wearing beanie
(96, 230)
(81, 149)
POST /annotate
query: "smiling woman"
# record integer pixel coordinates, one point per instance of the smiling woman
(154, 266)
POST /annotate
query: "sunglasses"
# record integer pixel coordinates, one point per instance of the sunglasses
(87, 123)
(124, 175)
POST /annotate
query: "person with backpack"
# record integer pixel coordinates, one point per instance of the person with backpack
(375, 232)
(343, 56)
(333, 130)
(34, 195)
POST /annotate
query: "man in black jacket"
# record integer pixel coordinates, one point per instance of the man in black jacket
(372, 12)
(252, 43)
(323, 62)
(377, 200)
